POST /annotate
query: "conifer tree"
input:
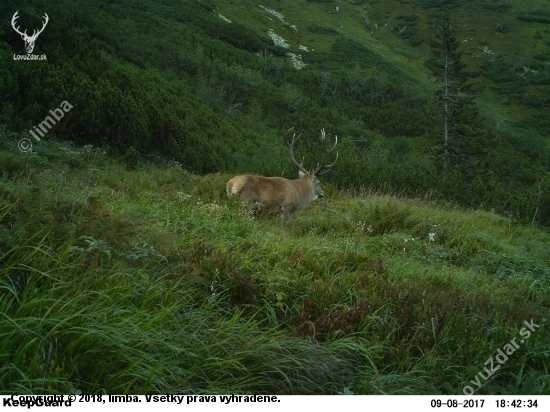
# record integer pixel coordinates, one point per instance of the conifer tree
(460, 117)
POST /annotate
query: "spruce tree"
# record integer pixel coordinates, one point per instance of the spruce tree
(460, 117)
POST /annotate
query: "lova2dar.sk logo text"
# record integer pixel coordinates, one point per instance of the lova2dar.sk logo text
(29, 40)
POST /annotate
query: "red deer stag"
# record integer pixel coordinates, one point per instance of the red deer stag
(282, 194)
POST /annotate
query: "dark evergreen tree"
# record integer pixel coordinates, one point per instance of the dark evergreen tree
(461, 134)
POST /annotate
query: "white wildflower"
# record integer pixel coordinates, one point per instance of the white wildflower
(182, 196)
(431, 237)
(303, 48)
(213, 284)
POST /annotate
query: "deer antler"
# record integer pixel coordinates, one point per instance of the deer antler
(15, 17)
(35, 32)
(290, 146)
(321, 167)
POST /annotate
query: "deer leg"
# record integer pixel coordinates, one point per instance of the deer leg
(285, 215)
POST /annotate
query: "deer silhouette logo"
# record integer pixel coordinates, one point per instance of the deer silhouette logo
(29, 40)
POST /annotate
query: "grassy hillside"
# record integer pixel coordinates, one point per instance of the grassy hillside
(203, 82)
(115, 280)
(503, 41)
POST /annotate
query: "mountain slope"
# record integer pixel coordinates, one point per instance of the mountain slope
(203, 83)
(512, 33)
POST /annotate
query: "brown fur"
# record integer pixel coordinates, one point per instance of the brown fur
(279, 193)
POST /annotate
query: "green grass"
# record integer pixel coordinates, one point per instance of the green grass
(149, 280)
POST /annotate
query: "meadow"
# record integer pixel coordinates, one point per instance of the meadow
(132, 277)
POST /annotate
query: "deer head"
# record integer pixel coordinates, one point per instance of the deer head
(322, 167)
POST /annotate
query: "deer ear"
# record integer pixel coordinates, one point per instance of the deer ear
(301, 174)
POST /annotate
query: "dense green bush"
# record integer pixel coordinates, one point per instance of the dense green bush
(497, 5)
(500, 71)
(428, 4)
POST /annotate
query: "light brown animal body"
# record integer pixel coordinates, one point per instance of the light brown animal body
(280, 194)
